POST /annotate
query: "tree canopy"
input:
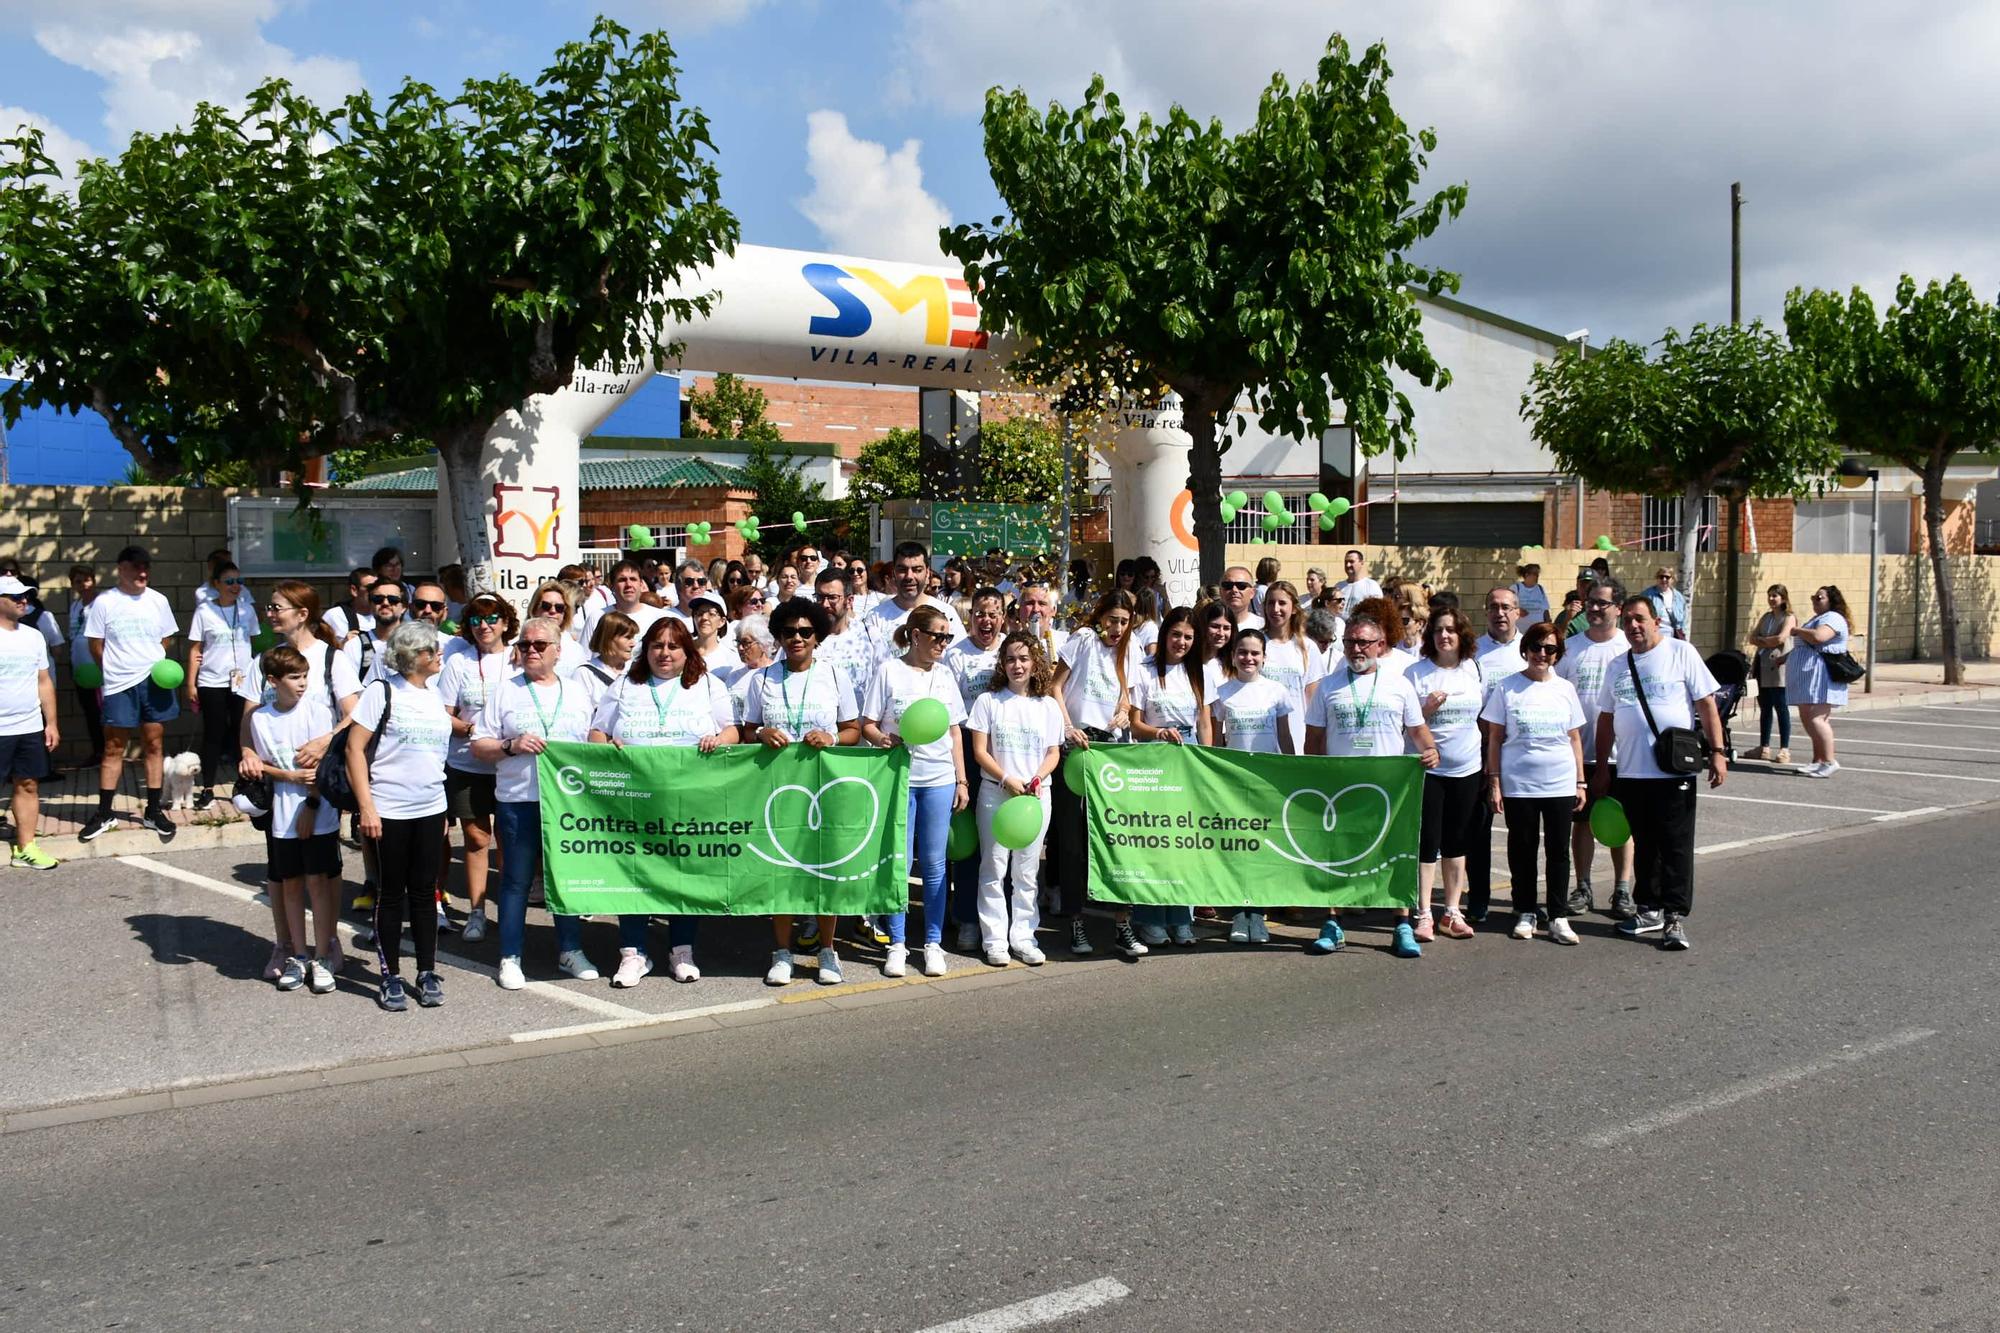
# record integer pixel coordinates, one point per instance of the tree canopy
(730, 409)
(1914, 386)
(284, 280)
(1722, 403)
(1169, 254)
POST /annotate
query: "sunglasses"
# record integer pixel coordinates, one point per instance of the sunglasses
(1234, 585)
(798, 632)
(551, 608)
(476, 621)
(1601, 602)
(936, 635)
(809, 555)
(386, 601)
(272, 608)
(1543, 647)
(694, 583)
(428, 605)
(1361, 643)
(20, 597)
(537, 645)
(232, 583)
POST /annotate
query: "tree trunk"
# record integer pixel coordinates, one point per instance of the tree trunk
(1954, 670)
(458, 476)
(1199, 410)
(1691, 507)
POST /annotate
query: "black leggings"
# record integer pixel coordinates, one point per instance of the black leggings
(1451, 813)
(221, 714)
(1547, 819)
(93, 719)
(409, 851)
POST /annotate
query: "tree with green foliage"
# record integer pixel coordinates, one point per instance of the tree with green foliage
(1171, 255)
(1020, 462)
(733, 409)
(783, 489)
(1722, 404)
(888, 468)
(1915, 387)
(282, 280)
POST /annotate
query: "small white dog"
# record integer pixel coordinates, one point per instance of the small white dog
(183, 771)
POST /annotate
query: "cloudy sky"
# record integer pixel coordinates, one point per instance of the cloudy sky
(1598, 139)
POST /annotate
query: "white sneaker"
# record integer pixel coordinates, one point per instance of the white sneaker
(1524, 926)
(633, 965)
(1560, 932)
(1260, 929)
(934, 965)
(319, 980)
(996, 958)
(1030, 954)
(474, 929)
(680, 963)
(1149, 933)
(829, 968)
(781, 969)
(968, 939)
(510, 974)
(1825, 768)
(897, 963)
(576, 963)
(1239, 928)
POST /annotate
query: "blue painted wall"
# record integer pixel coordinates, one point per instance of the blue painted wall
(50, 448)
(653, 413)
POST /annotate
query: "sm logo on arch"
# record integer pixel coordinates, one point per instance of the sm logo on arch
(951, 316)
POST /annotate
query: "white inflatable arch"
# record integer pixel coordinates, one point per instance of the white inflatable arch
(800, 314)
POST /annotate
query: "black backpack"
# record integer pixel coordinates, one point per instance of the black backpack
(332, 781)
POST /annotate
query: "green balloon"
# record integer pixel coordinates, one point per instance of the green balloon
(1604, 544)
(697, 534)
(1017, 822)
(1238, 498)
(1338, 506)
(1272, 522)
(639, 537)
(448, 627)
(1228, 512)
(169, 674)
(799, 521)
(1273, 502)
(924, 721)
(1325, 521)
(89, 675)
(1608, 823)
(1077, 767)
(963, 842)
(1317, 502)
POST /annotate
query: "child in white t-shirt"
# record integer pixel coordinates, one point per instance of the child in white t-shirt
(1251, 713)
(1017, 732)
(301, 844)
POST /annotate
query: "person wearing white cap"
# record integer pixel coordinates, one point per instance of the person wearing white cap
(28, 730)
(128, 629)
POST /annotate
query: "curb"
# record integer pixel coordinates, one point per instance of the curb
(129, 840)
(1937, 694)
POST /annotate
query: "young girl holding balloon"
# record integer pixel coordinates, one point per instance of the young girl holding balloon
(914, 701)
(1017, 733)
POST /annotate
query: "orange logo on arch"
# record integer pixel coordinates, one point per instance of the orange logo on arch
(1177, 518)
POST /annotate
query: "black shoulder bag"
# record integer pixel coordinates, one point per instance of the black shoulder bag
(1677, 749)
(334, 784)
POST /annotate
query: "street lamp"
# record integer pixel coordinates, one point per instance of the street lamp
(1852, 473)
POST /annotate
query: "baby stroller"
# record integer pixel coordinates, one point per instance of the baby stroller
(1731, 670)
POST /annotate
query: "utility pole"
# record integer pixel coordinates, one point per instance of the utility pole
(1731, 600)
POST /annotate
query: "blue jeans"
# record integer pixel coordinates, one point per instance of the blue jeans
(1770, 704)
(930, 828)
(1166, 918)
(632, 931)
(518, 826)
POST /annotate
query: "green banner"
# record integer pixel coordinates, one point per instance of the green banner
(1187, 825)
(746, 831)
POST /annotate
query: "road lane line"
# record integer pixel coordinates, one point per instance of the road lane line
(1905, 722)
(650, 1020)
(548, 990)
(1803, 805)
(1757, 1087)
(1913, 745)
(1915, 773)
(1047, 1309)
(1952, 708)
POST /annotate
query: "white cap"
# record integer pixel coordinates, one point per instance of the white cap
(12, 587)
(247, 806)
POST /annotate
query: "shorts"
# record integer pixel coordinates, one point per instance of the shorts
(290, 858)
(469, 795)
(24, 757)
(1583, 816)
(138, 704)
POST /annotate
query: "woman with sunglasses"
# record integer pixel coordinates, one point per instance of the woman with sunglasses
(1534, 765)
(612, 645)
(219, 656)
(799, 699)
(749, 600)
(532, 707)
(1807, 682)
(1092, 681)
(466, 683)
(938, 787)
(557, 601)
(711, 639)
(1449, 688)
(293, 613)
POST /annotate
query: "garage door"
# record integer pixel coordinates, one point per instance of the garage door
(1470, 524)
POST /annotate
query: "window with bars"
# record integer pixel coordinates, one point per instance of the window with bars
(1249, 525)
(1661, 527)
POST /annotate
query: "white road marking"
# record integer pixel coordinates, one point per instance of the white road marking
(650, 1020)
(1913, 745)
(1757, 1087)
(1803, 805)
(1915, 773)
(1847, 721)
(1041, 1310)
(1747, 842)
(1953, 708)
(548, 990)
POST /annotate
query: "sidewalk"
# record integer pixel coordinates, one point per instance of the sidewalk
(1911, 684)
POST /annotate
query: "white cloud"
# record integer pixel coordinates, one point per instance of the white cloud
(1599, 140)
(158, 58)
(679, 16)
(867, 200)
(63, 148)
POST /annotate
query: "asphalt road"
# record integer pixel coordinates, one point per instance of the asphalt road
(1790, 1127)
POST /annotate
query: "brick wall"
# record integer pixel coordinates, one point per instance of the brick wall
(1908, 628)
(851, 415)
